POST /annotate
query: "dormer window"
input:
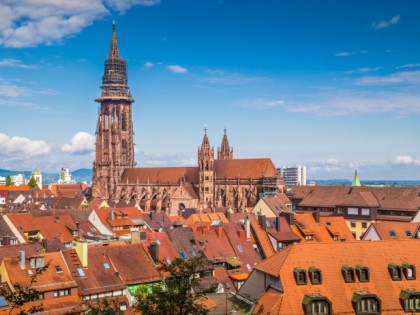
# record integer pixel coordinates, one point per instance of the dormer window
(409, 271)
(365, 303)
(395, 272)
(300, 276)
(316, 304)
(410, 300)
(348, 274)
(315, 275)
(362, 273)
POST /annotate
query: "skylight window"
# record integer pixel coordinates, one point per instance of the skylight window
(2, 301)
(81, 272)
(240, 248)
(267, 223)
(248, 266)
(392, 233)
(58, 268)
(183, 255)
(106, 265)
(192, 253)
(158, 242)
(168, 261)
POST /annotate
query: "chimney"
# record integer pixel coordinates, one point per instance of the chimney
(247, 228)
(111, 214)
(219, 231)
(242, 234)
(290, 217)
(21, 255)
(135, 237)
(81, 248)
(151, 215)
(142, 235)
(316, 216)
(6, 240)
(277, 223)
(154, 251)
(261, 220)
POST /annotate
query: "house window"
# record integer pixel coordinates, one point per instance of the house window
(316, 304)
(309, 237)
(409, 271)
(353, 211)
(352, 224)
(315, 275)
(410, 300)
(364, 225)
(395, 272)
(348, 274)
(60, 293)
(366, 303)
(300, 276)
(362, 273)
(365, 211)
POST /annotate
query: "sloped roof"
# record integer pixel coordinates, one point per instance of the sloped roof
(97, 278)
(244, 168)
(277, 203)
(329, 258)
(392, 198)
(285, 233)
(261, 237)
(395, 230)
(216, 246)
(164, 175)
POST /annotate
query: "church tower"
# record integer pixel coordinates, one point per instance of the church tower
(225, 152)
(206, 172)
(114, 130)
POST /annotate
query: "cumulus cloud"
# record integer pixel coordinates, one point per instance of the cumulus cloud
(28, 23)
(386, 23)
(21, 146)
(81, 143)
(263, 104)
(333, 165)
(406, 160)
(177, 69)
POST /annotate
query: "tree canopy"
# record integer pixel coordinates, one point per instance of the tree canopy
(32, 183)
(176, 295)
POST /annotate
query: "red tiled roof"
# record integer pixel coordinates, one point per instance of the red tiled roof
(395, 230)
(244, 168)
(329, 258)
(261, 237)
(160, 174)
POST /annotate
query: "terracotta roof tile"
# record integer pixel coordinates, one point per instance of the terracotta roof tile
(244, 168)
(159, 174)
(395, 230)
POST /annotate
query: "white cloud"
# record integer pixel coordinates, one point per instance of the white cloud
(408, 65)
(362, 70)
(406, 160)
(15, 63)
(350, 102)
(149, 64)
(332, 165)
(11, 90)
(81, 143)
(410, 77)
(20, 146)
(344, 54)
(263, 104)
(386, 23)
(177, 69)
(28, 23)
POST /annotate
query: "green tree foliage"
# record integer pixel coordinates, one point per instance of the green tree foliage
(9, 181)
(103, 307)
(22, 295)
(176, 295)
(32, 183)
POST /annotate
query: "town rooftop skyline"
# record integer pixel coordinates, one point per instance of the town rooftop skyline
(333, 86)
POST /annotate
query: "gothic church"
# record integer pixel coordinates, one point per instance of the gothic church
(224, 182)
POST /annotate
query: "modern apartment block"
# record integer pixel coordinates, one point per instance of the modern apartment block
(293, 176)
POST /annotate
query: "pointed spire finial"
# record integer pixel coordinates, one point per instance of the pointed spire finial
(205, 129)
(224, 130)
(113, 52)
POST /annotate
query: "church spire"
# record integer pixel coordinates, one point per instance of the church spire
(206, 142)
(225, 152)
(113, 51)
(356, 181)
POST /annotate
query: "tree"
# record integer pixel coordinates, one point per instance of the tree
(176, 295)
(9, 181)
(32, 183)
(20, 295)
(103, 307)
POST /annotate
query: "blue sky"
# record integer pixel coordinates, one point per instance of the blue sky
(333, 85)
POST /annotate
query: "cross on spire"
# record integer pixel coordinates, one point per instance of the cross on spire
(113, 51)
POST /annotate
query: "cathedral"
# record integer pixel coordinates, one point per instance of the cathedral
(213, 184)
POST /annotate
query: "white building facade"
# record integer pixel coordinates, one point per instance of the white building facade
(293, 176)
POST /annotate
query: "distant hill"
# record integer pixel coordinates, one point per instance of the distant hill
(80, 175)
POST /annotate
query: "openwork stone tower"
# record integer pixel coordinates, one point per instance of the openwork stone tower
(114, 130)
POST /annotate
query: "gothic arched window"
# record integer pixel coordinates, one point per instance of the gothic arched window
(123, 122)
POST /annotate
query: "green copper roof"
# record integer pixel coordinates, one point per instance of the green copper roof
(356, 181)
(36, 171)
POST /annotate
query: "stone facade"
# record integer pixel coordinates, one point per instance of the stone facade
(222, 183)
